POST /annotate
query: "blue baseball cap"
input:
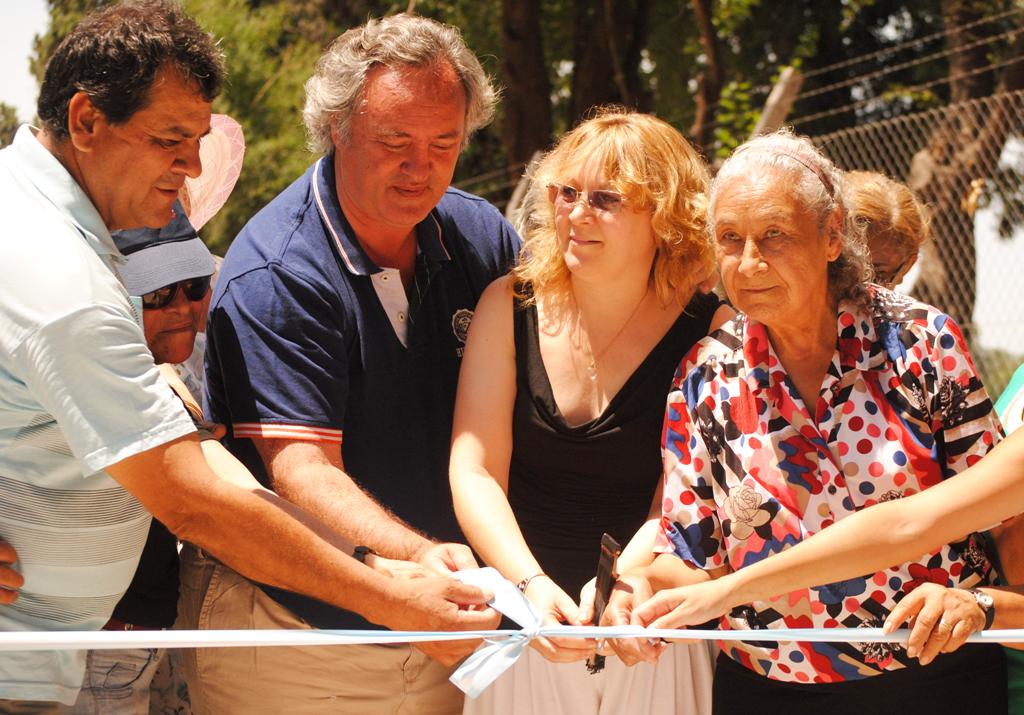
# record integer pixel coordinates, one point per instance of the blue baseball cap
(160, 257)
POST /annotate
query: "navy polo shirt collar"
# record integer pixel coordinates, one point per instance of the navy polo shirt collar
(428, 231)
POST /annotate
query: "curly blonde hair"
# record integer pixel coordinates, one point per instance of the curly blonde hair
(886, 210)
(655, 169)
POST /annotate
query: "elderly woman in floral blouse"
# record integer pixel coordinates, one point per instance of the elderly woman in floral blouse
(824, 396)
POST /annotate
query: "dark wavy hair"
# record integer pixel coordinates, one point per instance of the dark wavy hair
(114, 54)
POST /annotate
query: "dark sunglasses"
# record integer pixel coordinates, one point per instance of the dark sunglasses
(195, 289)
(599, 199)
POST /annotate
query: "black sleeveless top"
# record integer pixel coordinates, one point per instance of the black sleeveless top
(569, 484)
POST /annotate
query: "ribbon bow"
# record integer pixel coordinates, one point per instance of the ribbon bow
(496, 655)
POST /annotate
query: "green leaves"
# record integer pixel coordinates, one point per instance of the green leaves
(270, 49)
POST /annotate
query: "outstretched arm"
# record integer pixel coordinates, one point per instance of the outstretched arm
(873, 539)
(312, 475)
(175, 484)
(481, 453)
(217, 502)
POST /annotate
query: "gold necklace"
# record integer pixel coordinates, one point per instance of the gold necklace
(594, 357)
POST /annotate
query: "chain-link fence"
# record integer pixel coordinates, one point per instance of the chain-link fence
(966, 161)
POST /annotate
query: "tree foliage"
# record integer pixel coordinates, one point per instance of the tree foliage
(704, 65)
(270, 49)
(8, 124)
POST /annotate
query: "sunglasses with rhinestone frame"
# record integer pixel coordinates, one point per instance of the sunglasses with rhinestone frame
(597, 199)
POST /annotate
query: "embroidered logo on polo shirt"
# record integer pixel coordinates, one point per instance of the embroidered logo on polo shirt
(460, 326)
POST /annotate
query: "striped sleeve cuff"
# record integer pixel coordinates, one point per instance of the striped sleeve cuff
(251, 430)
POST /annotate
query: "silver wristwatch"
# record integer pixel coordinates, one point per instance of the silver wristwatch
(986, 604)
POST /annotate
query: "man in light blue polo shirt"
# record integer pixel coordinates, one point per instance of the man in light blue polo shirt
(90, 437)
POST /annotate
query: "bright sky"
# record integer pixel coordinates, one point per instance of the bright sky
(22, 20)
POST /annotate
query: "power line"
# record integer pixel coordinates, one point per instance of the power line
(716, 123)
(910, 43)
(492, 190)
(915, 88)
(905, 65)
(489, 175)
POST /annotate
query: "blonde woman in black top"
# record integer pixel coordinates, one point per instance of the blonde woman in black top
(562, 392)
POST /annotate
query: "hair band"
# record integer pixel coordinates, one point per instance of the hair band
(816, 170)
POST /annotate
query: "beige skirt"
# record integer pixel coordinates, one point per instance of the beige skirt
(678, 684)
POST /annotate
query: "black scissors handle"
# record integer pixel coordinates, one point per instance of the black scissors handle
(607, 574)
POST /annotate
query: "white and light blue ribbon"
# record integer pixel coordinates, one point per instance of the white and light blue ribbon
(110, 640)
(500, 650)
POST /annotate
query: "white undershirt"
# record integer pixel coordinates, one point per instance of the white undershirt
(391, 294)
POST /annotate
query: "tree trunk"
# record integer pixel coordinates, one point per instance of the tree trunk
(830, 49)
(636, 32)
(956, 14)
(349, 13)
(527, 97)
(608, 40)
(1013, 74)
(709, 81)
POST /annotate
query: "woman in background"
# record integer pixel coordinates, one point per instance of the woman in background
(893, 222)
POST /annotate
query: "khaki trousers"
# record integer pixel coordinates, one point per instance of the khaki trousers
(351, 679)
(33, 707)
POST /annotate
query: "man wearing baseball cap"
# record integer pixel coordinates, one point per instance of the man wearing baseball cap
(156, 260)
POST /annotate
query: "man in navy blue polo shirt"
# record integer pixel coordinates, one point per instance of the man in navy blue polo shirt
(334, 342)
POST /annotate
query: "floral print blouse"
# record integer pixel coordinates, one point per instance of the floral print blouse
(749, 470)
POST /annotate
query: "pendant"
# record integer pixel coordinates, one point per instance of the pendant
(592, 370)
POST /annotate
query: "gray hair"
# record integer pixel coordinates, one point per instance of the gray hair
(334, 91)
(818, 185)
